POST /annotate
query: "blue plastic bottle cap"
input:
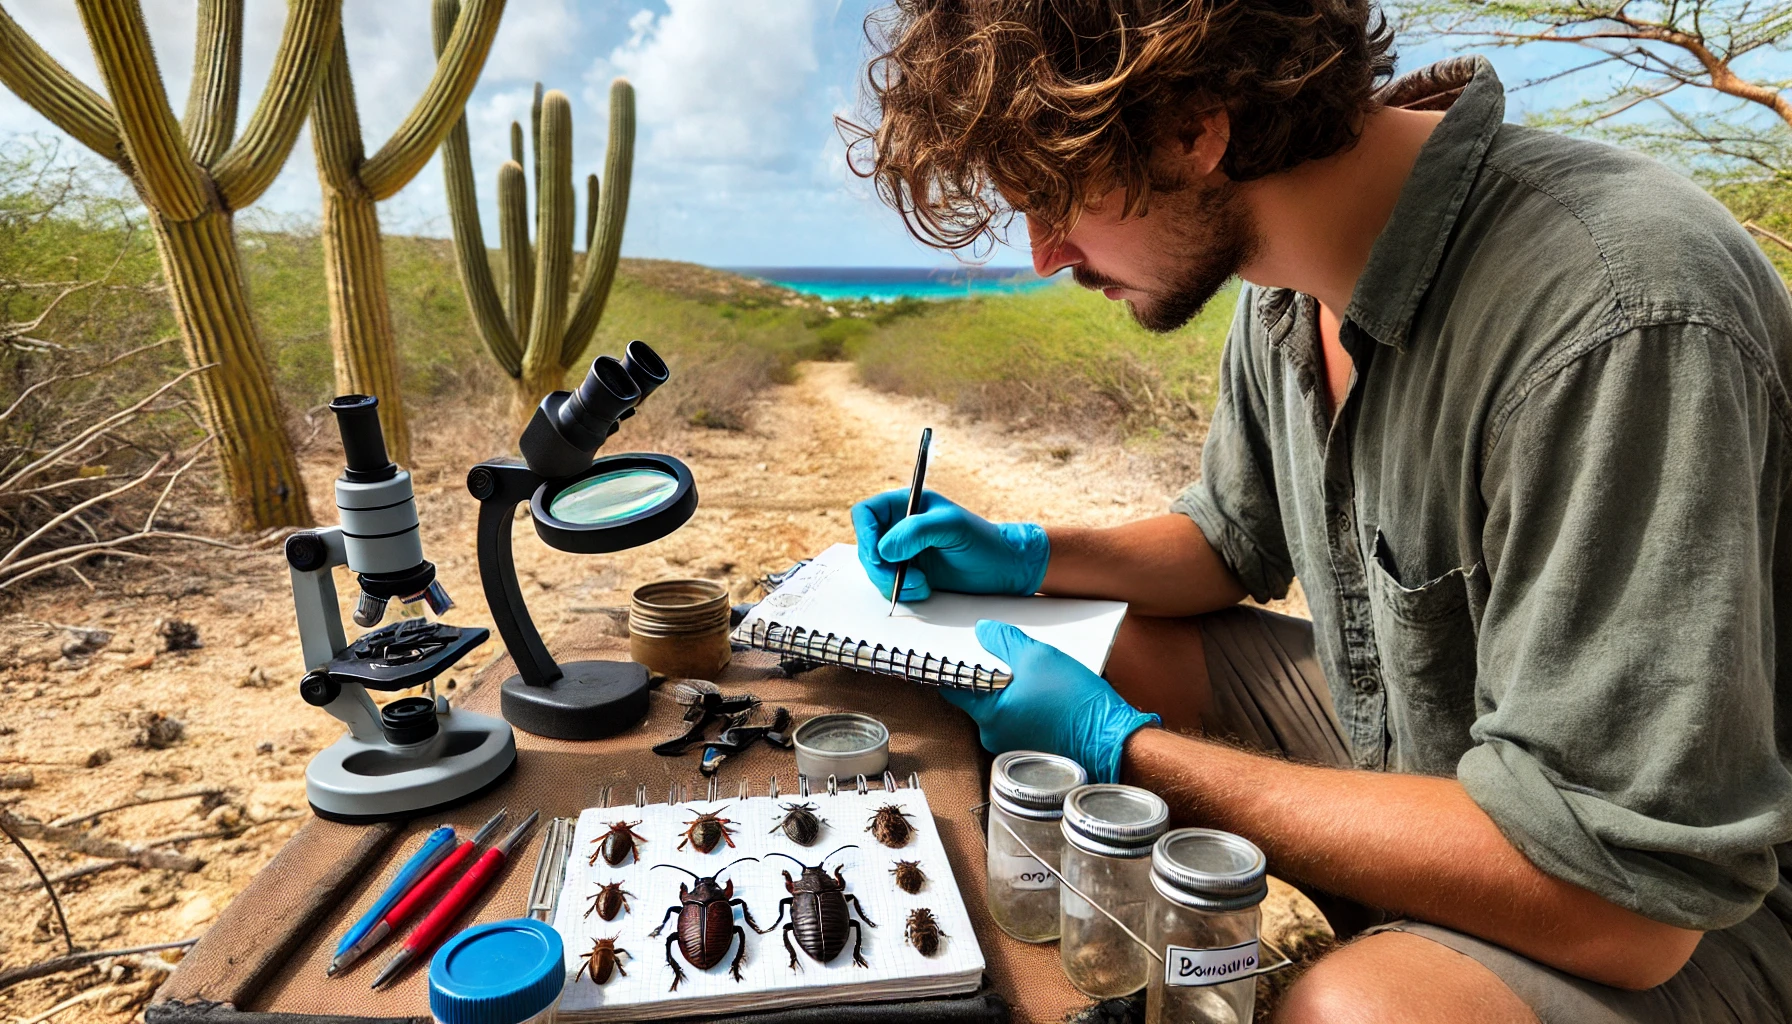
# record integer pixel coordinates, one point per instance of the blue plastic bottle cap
(499, 973)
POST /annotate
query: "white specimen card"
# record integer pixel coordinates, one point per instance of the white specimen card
(896, 970)
(832, 596)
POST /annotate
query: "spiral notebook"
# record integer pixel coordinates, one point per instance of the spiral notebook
(829, 611)
(894, 968)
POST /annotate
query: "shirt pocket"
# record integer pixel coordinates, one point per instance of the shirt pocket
(1425, 640)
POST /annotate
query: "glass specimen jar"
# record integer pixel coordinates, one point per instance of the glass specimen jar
(1026, 795)
(1207, 885)
(1108, 832)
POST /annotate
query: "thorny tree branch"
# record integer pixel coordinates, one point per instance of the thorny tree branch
(1780, 240)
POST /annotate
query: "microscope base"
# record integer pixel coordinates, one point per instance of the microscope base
(358, 783)
(590, 700)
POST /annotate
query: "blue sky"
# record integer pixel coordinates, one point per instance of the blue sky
(737, 160)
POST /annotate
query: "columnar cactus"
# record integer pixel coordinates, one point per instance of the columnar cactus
(531, 332)
(193, 177)
(361, 335)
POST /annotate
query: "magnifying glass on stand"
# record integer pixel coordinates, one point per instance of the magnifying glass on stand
(582, 505)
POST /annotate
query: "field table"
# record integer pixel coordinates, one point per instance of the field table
(264, 958)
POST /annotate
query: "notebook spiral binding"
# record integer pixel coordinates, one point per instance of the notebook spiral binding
(834, 649)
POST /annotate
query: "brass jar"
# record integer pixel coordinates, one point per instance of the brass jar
(679, 628)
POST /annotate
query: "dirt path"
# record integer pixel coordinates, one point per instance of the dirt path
(82, 726)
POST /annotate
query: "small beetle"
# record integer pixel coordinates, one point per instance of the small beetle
(608, 901)
(909, 877)
(890, 826)
(706, 830)
(818, 914)
(603, 958)
(800, 824)
(923, 932)
(616, 844)
(706, 925)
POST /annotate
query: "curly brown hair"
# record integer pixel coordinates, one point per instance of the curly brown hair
(988, 106)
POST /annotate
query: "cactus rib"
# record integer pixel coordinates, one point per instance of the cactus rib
(252, 162)
(513, 242)
(336, 124)
(440, 106)
(553, 245)
(127, 63)
(602, 254)
(210, 120)
(48, 88)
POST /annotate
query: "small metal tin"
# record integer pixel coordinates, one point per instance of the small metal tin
(1113, 820)
(1209, 869)
(679, 628)
(842, 745)
(1029, 784)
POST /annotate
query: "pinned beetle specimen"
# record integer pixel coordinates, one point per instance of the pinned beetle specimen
(706, 830)
(923, 932)
(603, 958)
(818, 915)
(616, 844)
(909, 877)
(706, 925)
(800, 824)
(890, 826)
(608, 901)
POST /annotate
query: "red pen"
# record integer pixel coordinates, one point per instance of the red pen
(458, 900)
(419, 897)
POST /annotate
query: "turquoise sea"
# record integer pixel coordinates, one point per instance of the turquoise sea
(887, 283)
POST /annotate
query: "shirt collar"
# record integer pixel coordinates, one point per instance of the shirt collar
(1404, 259)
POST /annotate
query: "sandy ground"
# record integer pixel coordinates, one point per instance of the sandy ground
(75, 731)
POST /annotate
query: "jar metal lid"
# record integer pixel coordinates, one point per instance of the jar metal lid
(1114, 820)
(1210, 869)
(1035, 783)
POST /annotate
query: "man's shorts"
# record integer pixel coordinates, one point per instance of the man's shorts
(1269, 693)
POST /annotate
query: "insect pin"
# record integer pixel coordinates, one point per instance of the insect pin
(909, 877)
(608, 901)
(706, 925)
(706, 830)
(890, 826)
(603, 958)
(800, 824)
(923, 931)
(818, 913)
(616, 844)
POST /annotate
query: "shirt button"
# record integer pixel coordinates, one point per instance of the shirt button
(1367, 684)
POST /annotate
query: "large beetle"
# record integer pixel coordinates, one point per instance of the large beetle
(706, 925)
(818, 914)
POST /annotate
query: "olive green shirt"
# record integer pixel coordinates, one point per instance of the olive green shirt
(1546, 540)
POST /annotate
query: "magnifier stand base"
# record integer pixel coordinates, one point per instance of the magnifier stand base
(590, 700)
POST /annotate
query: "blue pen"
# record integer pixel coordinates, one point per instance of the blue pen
(439, 844)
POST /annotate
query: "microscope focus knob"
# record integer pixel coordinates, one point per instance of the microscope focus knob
(319, 689)
(306, 552)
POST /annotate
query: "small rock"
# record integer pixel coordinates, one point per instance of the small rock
(66, 665)
(225, 816)
(178, 635)
(17, 778)
(257, 679)
(142, 663)
(264, 747)
(158, 731)
(85, 642)
(194, 912)
(98, 757)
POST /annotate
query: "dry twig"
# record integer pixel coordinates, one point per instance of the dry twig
(76, 961)
(77, 819)
(81, 841)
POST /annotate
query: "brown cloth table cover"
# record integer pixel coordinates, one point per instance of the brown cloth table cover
(267, 952)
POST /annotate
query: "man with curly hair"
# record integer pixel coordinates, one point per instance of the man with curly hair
(1512, 407)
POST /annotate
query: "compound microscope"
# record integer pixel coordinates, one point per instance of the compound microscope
(416, 753)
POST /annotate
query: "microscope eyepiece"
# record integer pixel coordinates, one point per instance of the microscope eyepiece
(604, 396)
(645, 366)
(363, 443)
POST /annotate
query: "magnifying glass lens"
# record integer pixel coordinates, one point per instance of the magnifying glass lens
(613, 497)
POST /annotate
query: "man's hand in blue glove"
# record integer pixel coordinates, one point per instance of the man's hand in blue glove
(950, 548)
(1054, 704)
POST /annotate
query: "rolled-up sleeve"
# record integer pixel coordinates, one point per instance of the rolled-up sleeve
(1625, 738)
(1234, 501)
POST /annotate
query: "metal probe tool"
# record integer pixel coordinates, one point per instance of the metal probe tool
(458, 900)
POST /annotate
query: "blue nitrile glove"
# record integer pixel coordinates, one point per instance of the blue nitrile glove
(1054, 704)
(950, 548)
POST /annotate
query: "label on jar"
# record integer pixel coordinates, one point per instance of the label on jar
(1184, 967)
(1024, 873)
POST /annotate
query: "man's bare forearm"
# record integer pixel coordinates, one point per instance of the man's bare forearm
(1161, 566)
(1414, 845)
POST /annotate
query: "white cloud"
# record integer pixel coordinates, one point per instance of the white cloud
(718, 82)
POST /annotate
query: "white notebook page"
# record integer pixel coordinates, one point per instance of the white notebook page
(832, 595)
